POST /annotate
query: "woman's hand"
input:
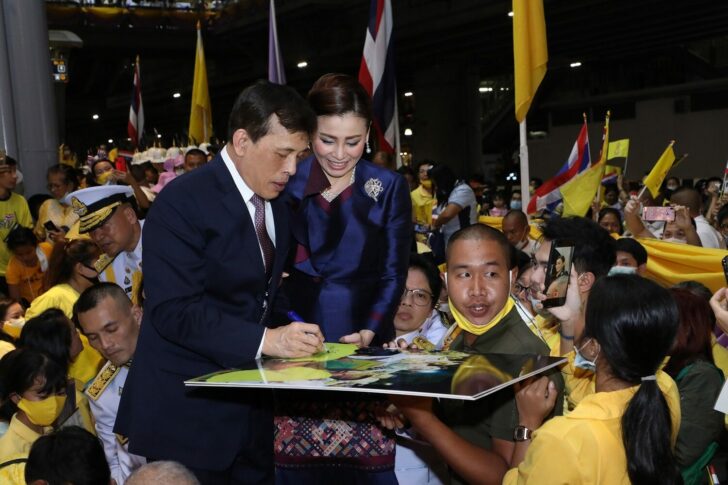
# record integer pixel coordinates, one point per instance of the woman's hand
(535, 400)
(682, 218)
(719, 304)
(362, 338)
(125, 177)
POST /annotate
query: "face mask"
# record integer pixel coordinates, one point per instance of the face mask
(622, 270)
(672, 188)
(522, 244)
(676, 240)
(516, 204)
(179, 170)
(13, 326)
(426, 184)
(44, 412)
(582, 362)
(105, 178)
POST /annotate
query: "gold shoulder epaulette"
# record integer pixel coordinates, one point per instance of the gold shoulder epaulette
(102, 380)
(103, 261)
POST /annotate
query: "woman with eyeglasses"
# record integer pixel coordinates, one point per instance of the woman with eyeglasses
(54, 217)
(417, 319)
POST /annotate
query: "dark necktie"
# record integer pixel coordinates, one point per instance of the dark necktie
(265, 243)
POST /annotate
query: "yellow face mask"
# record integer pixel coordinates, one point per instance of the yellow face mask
(470, 327)
(427, 184)
(104, 177)
(45, 411)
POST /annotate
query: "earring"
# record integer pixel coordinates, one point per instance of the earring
(369, 150)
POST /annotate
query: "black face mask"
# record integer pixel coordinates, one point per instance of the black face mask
(93, 281)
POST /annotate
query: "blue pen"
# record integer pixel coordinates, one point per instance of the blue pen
(295, 317)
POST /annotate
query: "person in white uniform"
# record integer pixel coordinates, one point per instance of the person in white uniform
(106, 214)
(111, 323)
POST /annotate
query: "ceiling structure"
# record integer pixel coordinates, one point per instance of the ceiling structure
(626, 47)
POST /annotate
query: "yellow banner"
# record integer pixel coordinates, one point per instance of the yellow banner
(530, 53)
(200, 129)
(618, 149)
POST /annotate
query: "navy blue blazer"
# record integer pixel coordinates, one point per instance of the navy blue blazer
(205, 288)
(351, 256)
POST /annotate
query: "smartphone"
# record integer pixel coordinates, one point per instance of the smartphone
(725, 269)
(666, 214)
(49, 226)
(120, 164)
(558, 270)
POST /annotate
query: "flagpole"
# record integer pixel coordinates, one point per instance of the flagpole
(725, 172)
(523, 156)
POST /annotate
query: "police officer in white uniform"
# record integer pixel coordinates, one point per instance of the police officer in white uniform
(106, 214)
(111, 323)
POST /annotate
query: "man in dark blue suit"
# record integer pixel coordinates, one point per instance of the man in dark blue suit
(215, 243)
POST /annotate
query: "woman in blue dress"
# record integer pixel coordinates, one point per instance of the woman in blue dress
(351, 221)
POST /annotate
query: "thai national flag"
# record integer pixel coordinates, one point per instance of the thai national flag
(377, 75)
(135, 127)
(548, 195)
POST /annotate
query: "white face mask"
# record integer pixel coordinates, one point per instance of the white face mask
(622, 270)
(522, 244)
(676, 240)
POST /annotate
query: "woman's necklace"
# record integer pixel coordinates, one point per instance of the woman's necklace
(330, 195)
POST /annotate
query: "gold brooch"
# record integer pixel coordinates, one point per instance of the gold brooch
(78, 207)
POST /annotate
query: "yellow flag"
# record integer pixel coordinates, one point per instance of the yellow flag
(659, 171)
(579, 192)
(200, 113)
(618, 149)
(530, 54)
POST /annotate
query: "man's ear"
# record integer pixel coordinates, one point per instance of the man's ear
(137, 313)
(241, 141)
(586, 281)
(130, 214)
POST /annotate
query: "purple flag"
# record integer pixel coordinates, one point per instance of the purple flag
(275, 62)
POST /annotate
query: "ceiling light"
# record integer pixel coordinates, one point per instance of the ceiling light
(95, 116)
(302, 64)
(111, 140)
(575, 64)
(510, 14)
(408, 132)
(176, 95)
(159, 135)
(408, 94)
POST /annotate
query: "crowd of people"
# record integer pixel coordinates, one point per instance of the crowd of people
(135, 275)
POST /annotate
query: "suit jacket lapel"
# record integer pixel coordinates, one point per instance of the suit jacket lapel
(238, 211)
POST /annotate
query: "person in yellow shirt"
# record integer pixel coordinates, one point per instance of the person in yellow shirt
(625, 432)
(423, 197)
(54, 335)
(34, 385)
(70, 272)
(12, 314)
(54, 217)
(27, 266)
(14, 211)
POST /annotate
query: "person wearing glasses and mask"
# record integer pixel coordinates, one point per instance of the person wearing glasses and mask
(418, 319)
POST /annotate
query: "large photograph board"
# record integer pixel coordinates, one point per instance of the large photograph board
(449, 375)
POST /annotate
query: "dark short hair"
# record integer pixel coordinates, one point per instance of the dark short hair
(481, 232)
(633, 247)
(20, 368)
(10, 161)
(594, 250)
(20, 236)
(611, 188)
(195, 152)
(429, 269)
(50, 333)
(257, 103)
(69, 455)
(518, 216)
(445, 180)
(722, 214)
(92, 296)
(688, 197)
(337, 94)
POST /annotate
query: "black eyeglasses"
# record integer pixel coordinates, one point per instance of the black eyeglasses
(419, 297)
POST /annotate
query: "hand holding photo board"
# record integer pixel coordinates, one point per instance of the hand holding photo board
(449, 375)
